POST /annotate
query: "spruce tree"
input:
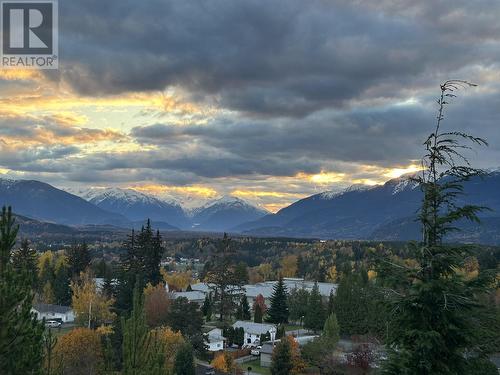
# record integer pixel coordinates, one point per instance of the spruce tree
(315, 313)
(78, 258)
(46, 276)
(108, 287)
(150, 250)
(331, 331)
(25, 259)
(130, 272)
(278, 311)
(136, 339)
(206, 309)
(257, 314)
(331, 303)
(434, 325)
(243, 311)
(225, 282)
(21, 335)
(184, 361)
(61, 288)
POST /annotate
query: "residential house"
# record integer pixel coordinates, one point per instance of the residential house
(54, 312)
(193, 296)
(254, 330)
(215, 340)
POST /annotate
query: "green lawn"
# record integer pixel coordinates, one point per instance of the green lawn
(292, 327)
(57, 332)
(255, 365)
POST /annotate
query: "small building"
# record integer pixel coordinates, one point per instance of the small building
(266, 353)
(215, 340)
(54, 312)
(254, 330)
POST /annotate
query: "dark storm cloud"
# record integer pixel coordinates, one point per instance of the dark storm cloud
(273, 58)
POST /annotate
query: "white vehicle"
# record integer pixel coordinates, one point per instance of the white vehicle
(256, 351)
(52, 324)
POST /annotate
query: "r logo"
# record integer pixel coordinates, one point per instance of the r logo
(28, 28)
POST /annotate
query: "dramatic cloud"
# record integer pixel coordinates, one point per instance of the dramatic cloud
(266, 100)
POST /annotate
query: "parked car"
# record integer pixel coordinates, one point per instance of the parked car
(53, 324)
(210, 371)
(256, 350)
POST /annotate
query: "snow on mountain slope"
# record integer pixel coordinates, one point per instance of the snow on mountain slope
(135, 205)
(225, 213)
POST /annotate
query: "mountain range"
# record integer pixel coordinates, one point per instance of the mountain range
(125, 208)
(380, 212)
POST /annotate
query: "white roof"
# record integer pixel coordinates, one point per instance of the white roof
(254, 328)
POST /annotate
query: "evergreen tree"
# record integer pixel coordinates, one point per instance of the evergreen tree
(78, 258)
(151, 251)
(47, 276)
(297, 302)
(62, 290)
(226, 284)
(184, 361)
(315, 315)
(186, 317)
(282, 363)
(301, 266)
(243, 311)
(257, 314)
(25, 259)
(130, 273)
(331, 303)
(206, 309)
(241, 273)
(434, 325)
(21, 335)
(108, 287)
(278, 311)
(136, 339)
(331, 331)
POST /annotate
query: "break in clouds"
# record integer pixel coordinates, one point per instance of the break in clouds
(291, 88)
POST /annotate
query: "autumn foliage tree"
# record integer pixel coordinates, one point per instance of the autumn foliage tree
(171, 343)
(286, 358)
(90, 304)
(79, 352)
(156, 305)
(224, 362)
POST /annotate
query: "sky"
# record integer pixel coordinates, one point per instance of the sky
(269, 101)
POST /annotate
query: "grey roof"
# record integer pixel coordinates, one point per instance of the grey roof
(215, 335)
(266, 288)
(254, 328)
(194, 295)
(44, 308)
(202, 287)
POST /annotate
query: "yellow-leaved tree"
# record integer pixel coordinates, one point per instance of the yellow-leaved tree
(91, 306)
(171, 343)
(79, 352)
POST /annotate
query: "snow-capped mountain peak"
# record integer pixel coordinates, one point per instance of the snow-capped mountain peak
(335, 193)
(405, 182)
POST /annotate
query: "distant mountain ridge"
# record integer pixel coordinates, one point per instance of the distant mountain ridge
(382, 212)
(136, 206)
(41, 201)
(224, 213)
